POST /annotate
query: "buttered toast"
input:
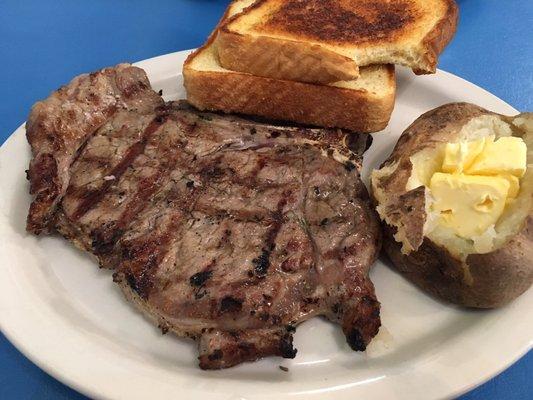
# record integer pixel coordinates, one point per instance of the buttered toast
(322, 41)
(362, 105)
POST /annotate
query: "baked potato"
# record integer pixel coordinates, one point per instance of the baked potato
(482, 271)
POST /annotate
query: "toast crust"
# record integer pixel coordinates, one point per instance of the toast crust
(436, 40)
(323, 41)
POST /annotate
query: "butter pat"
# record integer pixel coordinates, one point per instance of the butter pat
(514, 185)
(505, 155)
(459, 156)
(468, 204)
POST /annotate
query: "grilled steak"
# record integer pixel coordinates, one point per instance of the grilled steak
(226, 230)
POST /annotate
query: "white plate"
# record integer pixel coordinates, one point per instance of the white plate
(69, 318)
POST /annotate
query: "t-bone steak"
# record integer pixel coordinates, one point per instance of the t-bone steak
(226, 230)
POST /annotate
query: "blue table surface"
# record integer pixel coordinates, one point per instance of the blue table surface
(43, 44)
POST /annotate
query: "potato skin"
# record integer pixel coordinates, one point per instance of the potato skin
(491, 279)
(497, 277)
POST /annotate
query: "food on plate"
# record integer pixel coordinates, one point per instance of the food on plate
(323, 41)
(361, 105)
(456, 198)
(222, 229)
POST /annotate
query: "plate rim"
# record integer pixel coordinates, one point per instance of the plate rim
(88, 389)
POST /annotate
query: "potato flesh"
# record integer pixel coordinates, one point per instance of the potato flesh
(425, 163)
(514, 214)
(519, 198)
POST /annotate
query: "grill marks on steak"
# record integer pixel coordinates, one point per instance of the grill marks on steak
(93, 197)
(218, 228)
(58, 128)
(120, 188)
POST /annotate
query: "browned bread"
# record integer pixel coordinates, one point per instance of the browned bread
(324, 41)
(362, 105)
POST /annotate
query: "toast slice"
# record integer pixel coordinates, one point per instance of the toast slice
(322, 41)
(361, 105)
